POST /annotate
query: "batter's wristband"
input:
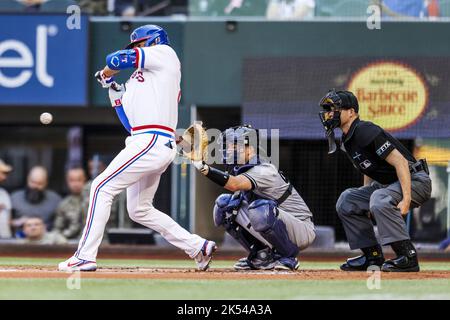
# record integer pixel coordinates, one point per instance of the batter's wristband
(218, 176)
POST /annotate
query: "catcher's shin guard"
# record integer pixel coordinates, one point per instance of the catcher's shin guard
(246, 239)
(263, 216)
(231, 212)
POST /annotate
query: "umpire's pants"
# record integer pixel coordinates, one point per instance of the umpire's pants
(354, 205)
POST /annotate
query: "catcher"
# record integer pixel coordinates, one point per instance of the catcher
(266, 215)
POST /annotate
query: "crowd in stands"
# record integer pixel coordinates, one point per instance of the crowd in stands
(271, 9)
(38, 215)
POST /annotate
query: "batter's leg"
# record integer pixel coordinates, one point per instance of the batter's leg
(140, 208)
(141, 156)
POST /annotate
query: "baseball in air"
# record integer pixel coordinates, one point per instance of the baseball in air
(46, 118)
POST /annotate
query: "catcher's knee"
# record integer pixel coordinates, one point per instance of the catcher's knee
(262, 214)
(220, 209)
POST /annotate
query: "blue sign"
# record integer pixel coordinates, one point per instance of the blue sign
(43, 60)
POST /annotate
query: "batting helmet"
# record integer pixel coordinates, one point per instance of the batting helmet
(153, 34)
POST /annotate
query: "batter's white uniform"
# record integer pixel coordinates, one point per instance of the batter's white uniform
(151, 105)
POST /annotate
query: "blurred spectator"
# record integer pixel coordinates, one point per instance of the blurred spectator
(130, 8)
(32, 5)
(290, 9)
(36, 233)
(125, 8)
(245, 8)
(35, 199)
(5, 203)
(94, 7)
(69, 213)
(409, 8)
(432, 7)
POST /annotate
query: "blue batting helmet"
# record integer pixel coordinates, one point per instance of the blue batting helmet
(153, 34)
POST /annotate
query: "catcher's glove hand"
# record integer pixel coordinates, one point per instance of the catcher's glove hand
(194, 142)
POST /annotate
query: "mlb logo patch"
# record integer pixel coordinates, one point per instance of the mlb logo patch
(117, 102)
(365, 164)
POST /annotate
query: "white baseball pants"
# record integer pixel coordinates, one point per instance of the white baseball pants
(138, 168)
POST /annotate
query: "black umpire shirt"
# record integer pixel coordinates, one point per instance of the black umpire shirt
(367, 146)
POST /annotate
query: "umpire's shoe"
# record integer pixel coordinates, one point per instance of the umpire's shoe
(406, 260)
(373, 256)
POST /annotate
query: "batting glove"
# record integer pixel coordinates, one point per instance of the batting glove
(201, 166)
(104, 80)
(116, 92)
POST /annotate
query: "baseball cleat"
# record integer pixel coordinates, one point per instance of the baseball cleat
(262, 259)
(243, 264)
(203, 258)
(361, 263)
(75, 264)
(401, 264)
(290, 263)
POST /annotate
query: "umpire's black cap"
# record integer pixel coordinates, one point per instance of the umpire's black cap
(348, 100)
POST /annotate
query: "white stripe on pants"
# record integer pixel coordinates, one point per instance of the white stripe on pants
(138, 167)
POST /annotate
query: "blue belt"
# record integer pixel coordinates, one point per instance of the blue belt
(168, 135)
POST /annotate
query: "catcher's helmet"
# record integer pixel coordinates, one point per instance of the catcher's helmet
(233, 142)
(152, 33)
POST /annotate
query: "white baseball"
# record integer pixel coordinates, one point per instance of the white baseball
(46, 118)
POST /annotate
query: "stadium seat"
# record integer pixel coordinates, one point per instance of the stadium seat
(342, 8)
(56, 5)
(11, 6)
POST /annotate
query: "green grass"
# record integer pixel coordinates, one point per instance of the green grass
(216, 289)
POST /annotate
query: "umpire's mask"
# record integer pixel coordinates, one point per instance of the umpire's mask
(330, 116)
(233, 144)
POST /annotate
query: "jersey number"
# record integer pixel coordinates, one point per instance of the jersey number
(138, 75)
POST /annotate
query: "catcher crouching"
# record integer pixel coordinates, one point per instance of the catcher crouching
(265, 214)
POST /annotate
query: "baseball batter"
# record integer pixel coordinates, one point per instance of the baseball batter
(147, 106)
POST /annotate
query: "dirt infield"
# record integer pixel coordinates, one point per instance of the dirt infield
(213, 274)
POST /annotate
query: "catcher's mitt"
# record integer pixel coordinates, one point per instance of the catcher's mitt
(194, 142)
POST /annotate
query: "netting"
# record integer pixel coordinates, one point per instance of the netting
(406, 96)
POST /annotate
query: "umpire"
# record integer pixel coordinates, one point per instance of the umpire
(394, 181)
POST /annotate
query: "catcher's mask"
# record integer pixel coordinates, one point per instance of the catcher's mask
(330, 116)
(233, 143)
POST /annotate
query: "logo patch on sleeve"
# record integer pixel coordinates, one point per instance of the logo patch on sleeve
(365, 164)
(383, 148)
